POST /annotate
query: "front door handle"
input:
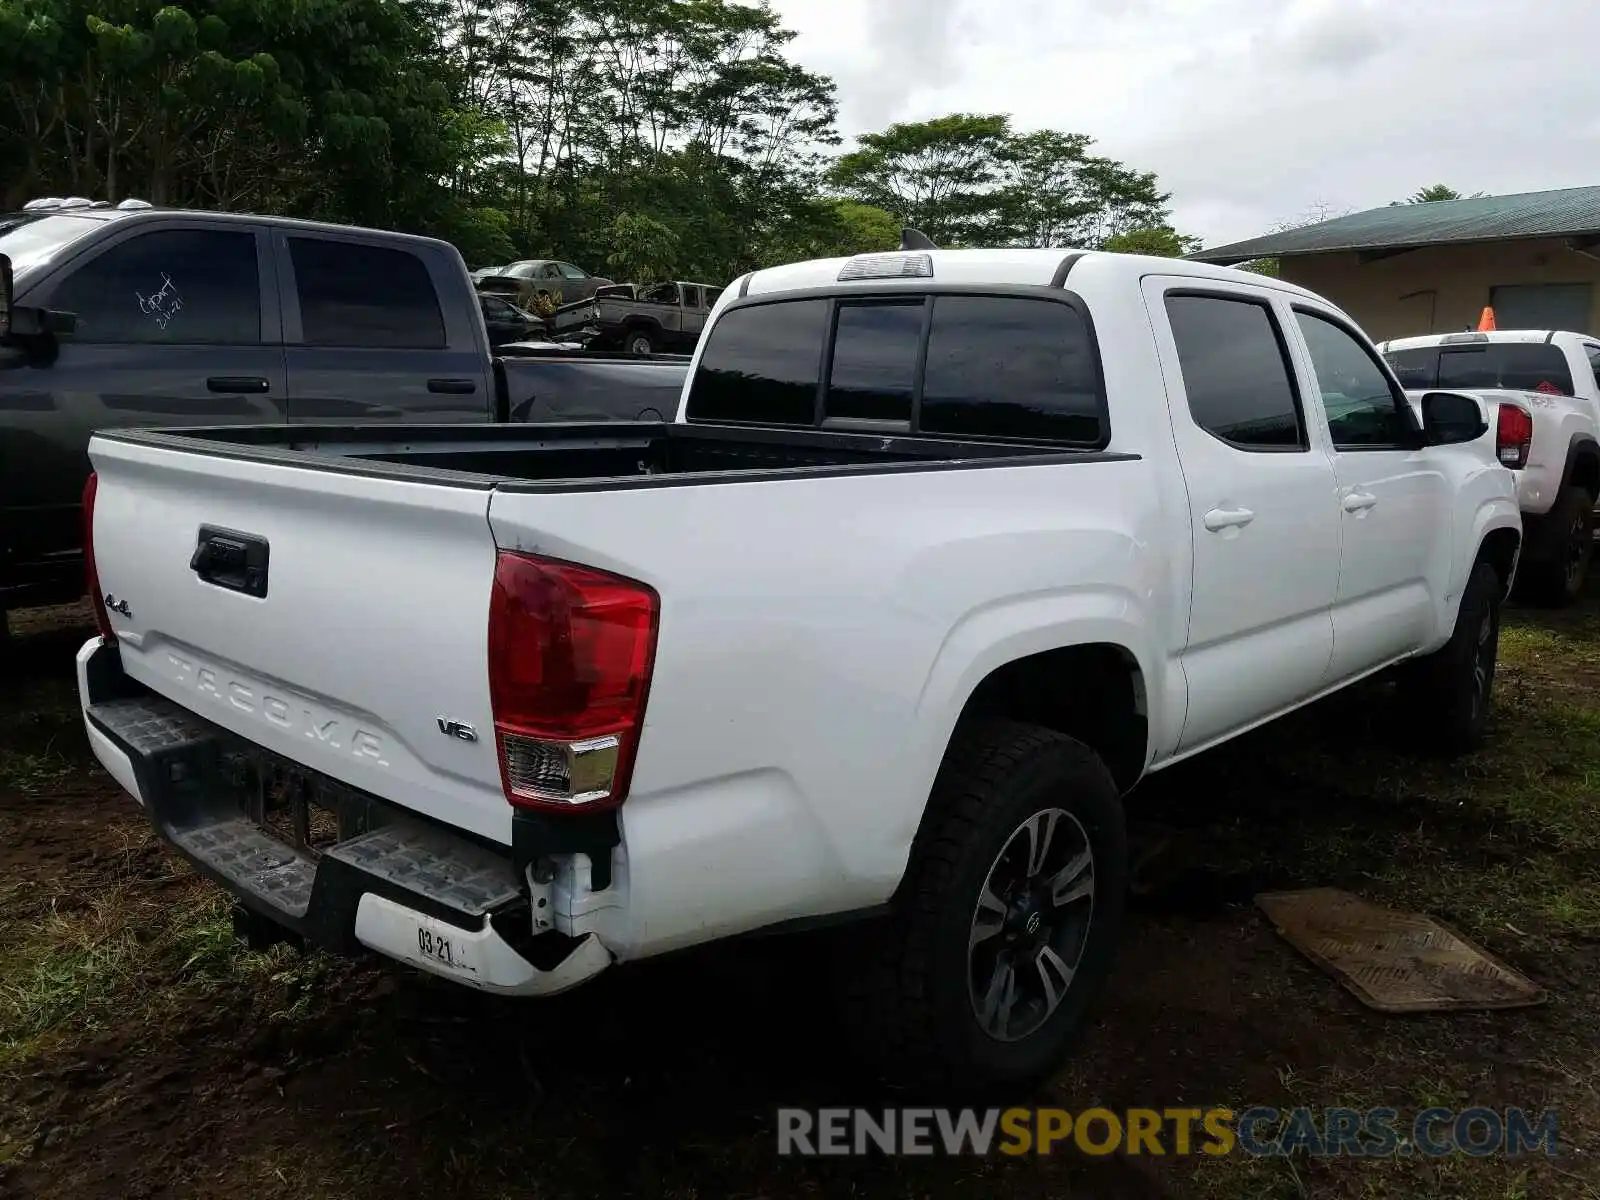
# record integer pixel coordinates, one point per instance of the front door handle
(238, 385)
(452, 387)
(1355, 502)
(1219, 519)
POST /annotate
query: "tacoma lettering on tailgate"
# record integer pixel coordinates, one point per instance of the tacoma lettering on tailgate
(293, 714)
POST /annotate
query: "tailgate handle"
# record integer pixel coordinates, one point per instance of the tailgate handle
(240, 385)
(236, 561)
(452, 387)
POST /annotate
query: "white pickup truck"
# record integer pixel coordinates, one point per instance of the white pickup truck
(1545, 388)
(941, 554)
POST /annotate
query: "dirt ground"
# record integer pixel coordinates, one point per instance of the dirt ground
(144, 1053)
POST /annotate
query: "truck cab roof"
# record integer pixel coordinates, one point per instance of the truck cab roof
(1042, 268)
(1469, 336)
(105, 212)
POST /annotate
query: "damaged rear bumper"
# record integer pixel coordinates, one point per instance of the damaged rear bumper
(383, 878)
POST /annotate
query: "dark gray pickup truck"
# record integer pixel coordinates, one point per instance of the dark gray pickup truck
(135, 316)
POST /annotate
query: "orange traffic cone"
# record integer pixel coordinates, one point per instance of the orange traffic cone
(1486, 321)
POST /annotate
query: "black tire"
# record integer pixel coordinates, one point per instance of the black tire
(639, 341)
(1451, 690)
(911, 984)
(1555, 565)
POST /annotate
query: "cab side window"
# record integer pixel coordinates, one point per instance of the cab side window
(1364, 410)
(168, 287)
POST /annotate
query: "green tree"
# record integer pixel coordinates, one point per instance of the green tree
(1161, 241)
(643, 249)
(938, 175)
(862, 229)
(967, 179)
(331, 110)
(1433, 193)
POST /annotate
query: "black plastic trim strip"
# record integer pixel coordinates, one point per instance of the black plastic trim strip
(319, 449)
(1059, 279)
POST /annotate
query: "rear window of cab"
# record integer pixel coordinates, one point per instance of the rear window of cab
(966, 365)
(1517, 366)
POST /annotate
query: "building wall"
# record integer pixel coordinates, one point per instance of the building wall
(1438, 289)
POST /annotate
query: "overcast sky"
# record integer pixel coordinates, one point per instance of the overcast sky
(1251, 112)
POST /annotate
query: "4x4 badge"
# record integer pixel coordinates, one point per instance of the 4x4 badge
(118, 606)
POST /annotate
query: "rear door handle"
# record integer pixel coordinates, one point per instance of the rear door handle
(452, 387)
(1219, 519)
(239, 385)
(1355, 502)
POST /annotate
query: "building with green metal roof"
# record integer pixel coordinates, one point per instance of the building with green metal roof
(1433, 267)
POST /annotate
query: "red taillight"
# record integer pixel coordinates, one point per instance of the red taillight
(91, 575)
(570, 655)
(1513, 435)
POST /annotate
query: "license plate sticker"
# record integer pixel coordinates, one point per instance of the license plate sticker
(444, 947)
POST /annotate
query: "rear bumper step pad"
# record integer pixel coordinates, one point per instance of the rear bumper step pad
(395, 873)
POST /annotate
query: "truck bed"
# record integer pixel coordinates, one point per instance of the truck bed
(610, 456)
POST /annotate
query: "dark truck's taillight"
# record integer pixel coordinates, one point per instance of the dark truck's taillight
(1513, 435)
(97, 601)
(570, 655)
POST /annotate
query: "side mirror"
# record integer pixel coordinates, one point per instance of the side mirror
(46, 323)
(1451, 419)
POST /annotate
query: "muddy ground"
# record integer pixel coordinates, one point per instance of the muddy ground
(145, 1053)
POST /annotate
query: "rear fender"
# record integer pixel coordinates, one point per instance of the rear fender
(992, 637)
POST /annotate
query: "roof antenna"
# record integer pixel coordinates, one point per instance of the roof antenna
(915, 239)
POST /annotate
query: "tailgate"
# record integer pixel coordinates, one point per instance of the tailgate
(357, 647)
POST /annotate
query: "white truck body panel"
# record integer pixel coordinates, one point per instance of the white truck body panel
(349, 661)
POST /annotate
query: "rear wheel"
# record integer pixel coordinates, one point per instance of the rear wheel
(1007, 921)
(639, 341)
(1450, 689)
(1555, 571)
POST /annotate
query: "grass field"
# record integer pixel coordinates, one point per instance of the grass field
(144, 1053)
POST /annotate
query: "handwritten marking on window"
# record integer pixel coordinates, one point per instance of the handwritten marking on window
(162, 305)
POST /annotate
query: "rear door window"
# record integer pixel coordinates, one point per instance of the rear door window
(1236, 373)
(358, 295)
